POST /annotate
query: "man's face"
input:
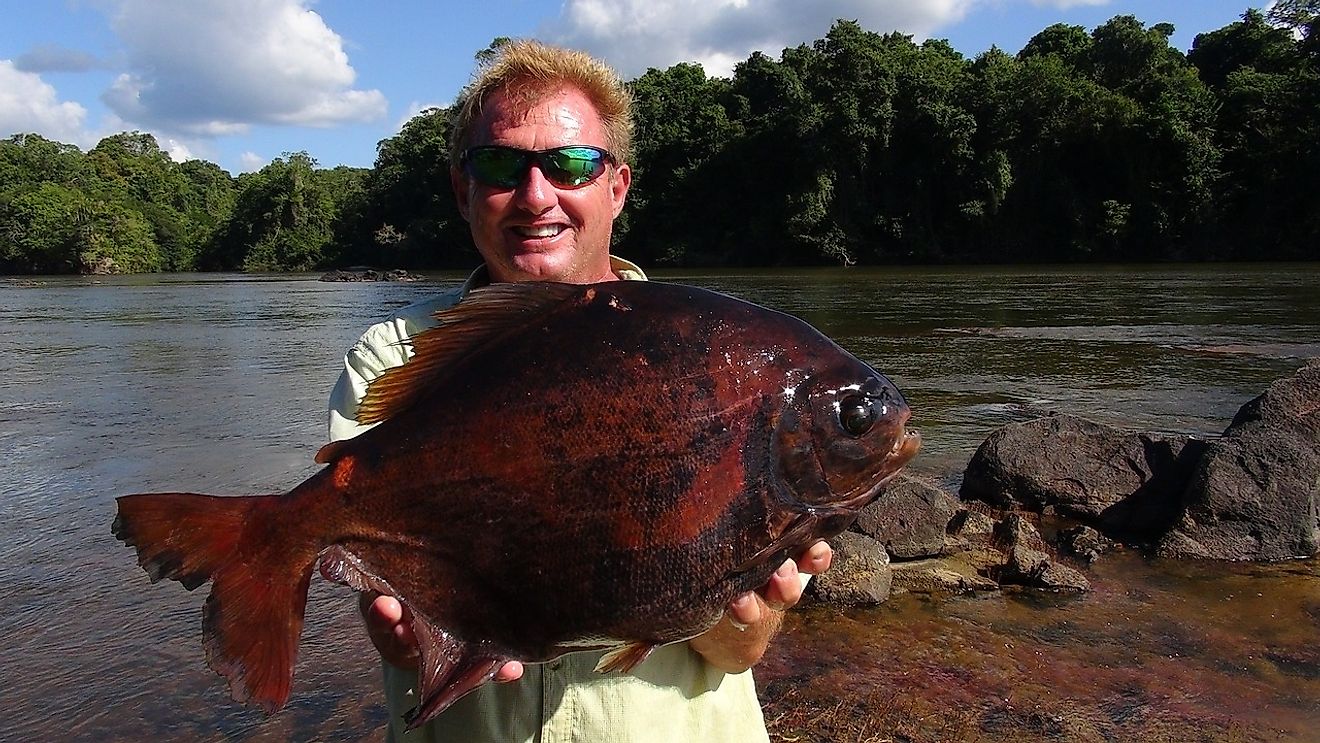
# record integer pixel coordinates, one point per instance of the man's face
(538, 231)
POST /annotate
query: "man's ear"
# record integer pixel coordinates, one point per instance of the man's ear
(619, 183)
(459, 183)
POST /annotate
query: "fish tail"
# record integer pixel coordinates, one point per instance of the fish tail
(259, 573)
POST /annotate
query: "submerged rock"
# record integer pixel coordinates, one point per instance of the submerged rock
(1253, 495)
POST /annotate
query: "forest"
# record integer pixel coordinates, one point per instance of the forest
(865, 148)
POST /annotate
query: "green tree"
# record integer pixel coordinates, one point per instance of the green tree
(407, 215)
(282, 219)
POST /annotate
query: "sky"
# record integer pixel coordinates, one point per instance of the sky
(242, 82)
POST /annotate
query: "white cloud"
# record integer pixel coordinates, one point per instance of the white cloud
(30, 104)
(215, 67)
(413, 109)
(250, 162)
(634, 35)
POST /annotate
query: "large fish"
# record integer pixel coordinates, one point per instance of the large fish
(557, 468)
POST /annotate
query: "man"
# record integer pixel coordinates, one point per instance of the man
(541, 149)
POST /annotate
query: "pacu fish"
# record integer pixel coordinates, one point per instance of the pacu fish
(557, 468)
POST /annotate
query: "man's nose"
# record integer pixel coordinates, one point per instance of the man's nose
(535, 193)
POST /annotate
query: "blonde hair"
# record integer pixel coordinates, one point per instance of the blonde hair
(527, 71)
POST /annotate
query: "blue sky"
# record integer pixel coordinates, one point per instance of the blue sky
(240, 82)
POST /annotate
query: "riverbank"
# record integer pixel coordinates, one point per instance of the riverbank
(1158, 651)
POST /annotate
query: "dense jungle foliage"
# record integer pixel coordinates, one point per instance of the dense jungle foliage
(859, 148)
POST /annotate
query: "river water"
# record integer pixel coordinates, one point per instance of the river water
(217, 383)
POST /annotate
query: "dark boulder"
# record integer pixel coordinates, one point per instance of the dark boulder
(911, 519)
(1127, 484)
(1253, 495)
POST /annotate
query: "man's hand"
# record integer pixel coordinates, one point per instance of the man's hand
(390, 628)
(740, 638)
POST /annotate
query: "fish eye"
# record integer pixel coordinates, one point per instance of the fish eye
(856, 415)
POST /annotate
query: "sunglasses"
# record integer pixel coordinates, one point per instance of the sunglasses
(573, 166)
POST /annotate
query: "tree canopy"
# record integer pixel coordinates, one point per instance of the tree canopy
(859, 148)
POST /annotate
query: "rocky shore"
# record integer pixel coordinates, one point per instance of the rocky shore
(1043, 499)
(363, 273)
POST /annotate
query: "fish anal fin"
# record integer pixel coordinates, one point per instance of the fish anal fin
(483, 317)
(449, 668)
(625, 657)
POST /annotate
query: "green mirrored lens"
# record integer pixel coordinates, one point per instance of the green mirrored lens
(573, 166)
(497, 166)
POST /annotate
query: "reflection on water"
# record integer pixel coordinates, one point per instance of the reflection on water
(217, 383)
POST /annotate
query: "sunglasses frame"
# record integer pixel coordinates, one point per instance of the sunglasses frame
(538, 157)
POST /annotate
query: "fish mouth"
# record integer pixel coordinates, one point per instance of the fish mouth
(906, 445)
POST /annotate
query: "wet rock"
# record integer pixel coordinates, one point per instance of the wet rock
(858, 575)
(1127, 484)
(361, 273)
(911, 518)
(1085, 542)
(1253, 496)
(972, 524)
(1029, 562)
(942, 575)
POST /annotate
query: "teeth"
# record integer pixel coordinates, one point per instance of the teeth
(545, 230)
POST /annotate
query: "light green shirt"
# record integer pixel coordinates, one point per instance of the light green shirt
(674, 695)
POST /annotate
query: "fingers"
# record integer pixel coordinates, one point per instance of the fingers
(784, 588)
(389, 625)
(511, 671)
(745, 610)
(390, 628)
(815, 559)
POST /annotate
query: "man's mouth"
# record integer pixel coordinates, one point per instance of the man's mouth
(538, 231)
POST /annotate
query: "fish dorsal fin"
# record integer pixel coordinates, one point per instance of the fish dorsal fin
(485, 316)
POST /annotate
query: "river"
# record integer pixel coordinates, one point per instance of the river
(217, 383)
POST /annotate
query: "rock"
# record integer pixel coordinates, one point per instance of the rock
(1085, 542)
(1254, 494)
(859, 573)
(911, 518)
(944, 575)
(1029, 562)
(1127, 484)
(972, 523)
(361, 273)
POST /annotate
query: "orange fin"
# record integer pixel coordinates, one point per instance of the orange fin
(625, 657)
(483, 317)
(330, 452)
(254, 614)
(449, 669)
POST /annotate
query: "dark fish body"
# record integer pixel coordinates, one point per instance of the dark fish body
(557, 468)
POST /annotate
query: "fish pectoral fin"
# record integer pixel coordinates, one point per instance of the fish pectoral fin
(625, 657)
(796, 533)
(449, 669)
